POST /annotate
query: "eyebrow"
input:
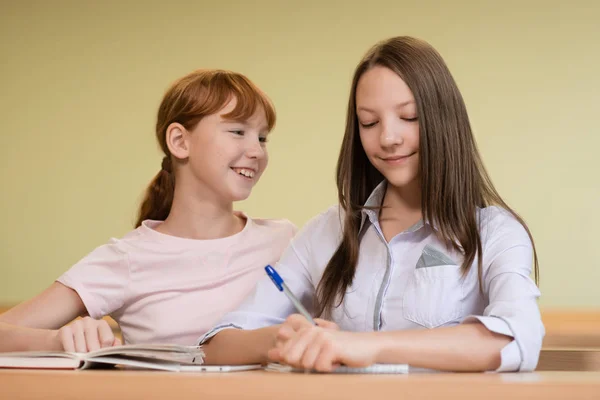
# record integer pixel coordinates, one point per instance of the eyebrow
(399, 105)
(262, 128)
(233, 121)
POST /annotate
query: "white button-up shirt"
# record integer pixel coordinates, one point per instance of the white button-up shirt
(412, 282)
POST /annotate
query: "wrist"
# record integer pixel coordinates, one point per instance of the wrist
(374, 344)
(51, 341)
(270, 339)
(390, 348)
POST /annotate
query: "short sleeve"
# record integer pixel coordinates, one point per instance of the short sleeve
(100, 279)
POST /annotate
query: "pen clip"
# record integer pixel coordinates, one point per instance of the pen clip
(275, 277)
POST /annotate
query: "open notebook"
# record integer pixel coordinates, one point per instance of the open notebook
(148, 356)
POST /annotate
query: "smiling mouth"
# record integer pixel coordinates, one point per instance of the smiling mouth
(398, 158)
(245, 172)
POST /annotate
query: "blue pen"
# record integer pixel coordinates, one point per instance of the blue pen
(282, 287)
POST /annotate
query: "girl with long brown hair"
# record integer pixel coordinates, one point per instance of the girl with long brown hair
(192, 257)
(422, 262)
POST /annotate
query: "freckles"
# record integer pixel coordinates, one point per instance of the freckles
(218, 152)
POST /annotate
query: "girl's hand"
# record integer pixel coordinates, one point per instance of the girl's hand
(323, 347)
(86, 334)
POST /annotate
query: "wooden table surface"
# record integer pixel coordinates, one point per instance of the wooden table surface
(114, 384)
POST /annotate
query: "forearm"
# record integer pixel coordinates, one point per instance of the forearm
(17, 338)
(466, 347)
(236, 346)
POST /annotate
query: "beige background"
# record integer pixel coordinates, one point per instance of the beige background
(80, 84)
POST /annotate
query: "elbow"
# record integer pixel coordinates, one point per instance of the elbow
(493, 352)
(530, 350)
(512, 347)
(529, 342)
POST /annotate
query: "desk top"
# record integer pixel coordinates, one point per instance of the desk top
(113, 384)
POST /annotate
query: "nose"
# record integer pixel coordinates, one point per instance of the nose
(255, 149)
(391, 135)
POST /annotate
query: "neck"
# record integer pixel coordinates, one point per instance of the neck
(402, 206)
(195, 217)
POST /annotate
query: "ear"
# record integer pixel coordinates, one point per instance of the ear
(177, 141)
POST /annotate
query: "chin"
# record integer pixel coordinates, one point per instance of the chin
(400, 181)
(239, 195)
(238, 191)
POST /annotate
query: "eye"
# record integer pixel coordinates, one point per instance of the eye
(263, 139)
(240, 133)
(368, 125)
(410, 119)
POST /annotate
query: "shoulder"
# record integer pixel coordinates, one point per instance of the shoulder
(275, 227)
(125, 244)
(326, 222)
(323, 231)
(119, 250)
(496, 221)
(266, 236)
(115, 251)
(330, 219)
(501, 231)
(107, 260)
(273, 234)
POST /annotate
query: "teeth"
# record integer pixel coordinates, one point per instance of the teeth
(245, 172)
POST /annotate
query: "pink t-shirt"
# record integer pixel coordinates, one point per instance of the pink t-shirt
(165, 289)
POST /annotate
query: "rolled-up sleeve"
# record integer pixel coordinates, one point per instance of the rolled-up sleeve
(512, 309)
(266, 305)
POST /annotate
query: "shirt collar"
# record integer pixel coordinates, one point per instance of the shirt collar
(371, 211)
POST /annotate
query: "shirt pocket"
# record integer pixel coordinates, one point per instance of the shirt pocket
(434, 291)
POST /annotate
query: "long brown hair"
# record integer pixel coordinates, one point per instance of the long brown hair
(187, 101)
(454, 182)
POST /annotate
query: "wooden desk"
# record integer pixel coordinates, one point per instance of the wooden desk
(106, 385)
(571, 328)
(569, 359)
